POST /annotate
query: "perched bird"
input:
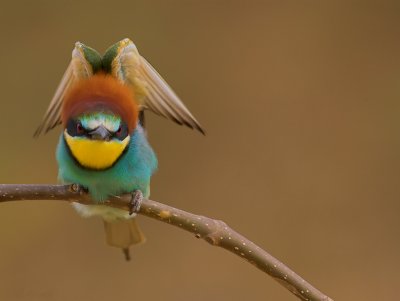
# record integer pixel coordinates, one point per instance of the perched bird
(100, 103)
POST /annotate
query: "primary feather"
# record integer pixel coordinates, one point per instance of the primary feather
(82, 66)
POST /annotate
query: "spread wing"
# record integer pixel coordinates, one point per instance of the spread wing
(152, 91)
(83, 64)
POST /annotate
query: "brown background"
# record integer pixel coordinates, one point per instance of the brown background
(301, 104)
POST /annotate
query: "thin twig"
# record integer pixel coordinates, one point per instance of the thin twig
(215, 232)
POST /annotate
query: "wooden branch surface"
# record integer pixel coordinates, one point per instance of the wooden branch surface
(215, 232)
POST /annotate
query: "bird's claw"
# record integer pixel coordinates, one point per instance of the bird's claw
(78, 188)
(135, 202)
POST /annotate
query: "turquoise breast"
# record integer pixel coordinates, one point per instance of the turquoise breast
(131, 172)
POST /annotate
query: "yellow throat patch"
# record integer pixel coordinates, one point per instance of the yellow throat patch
(95, 154)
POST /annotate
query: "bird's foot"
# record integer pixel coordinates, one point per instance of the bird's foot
(135, 202)
(78, 188)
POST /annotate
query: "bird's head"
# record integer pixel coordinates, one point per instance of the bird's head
(99, 115)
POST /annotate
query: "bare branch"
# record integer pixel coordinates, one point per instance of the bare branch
(215, 232)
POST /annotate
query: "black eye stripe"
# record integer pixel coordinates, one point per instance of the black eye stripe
(122, 132)
(73, 128)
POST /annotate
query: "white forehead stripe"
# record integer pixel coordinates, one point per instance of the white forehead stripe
(93, 123)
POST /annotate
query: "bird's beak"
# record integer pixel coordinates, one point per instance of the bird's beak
(100, 133)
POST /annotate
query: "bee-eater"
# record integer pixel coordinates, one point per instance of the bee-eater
(100, 103)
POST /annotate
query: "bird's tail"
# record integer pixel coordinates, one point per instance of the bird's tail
(123, 234)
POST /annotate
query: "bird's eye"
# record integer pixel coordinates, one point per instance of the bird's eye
(121, 132)
(79, 128)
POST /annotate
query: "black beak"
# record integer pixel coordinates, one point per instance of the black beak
(100, 133)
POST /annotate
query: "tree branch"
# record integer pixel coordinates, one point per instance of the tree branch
(215, 232)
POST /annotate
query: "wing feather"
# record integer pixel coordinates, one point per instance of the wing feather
(52, 115)
(78, 68)
(167, 97)
(156, 98)
(151, 89)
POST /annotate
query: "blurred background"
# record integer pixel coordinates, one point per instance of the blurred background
(300, 100)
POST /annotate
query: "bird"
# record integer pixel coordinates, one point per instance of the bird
(100, 104)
